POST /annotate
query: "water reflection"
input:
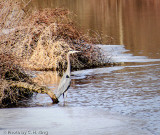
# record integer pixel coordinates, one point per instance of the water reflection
(48, 78)
(141, 27)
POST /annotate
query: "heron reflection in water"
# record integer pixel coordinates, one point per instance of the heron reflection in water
(66, 78)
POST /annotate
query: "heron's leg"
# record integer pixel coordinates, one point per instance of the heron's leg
(65, 95)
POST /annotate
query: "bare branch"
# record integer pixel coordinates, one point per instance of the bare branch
(35, 88)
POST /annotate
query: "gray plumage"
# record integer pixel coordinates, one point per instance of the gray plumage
(66, 78)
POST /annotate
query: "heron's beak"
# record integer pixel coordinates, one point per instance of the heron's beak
(76, 51)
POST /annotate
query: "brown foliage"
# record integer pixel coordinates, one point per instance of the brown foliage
(44, 37)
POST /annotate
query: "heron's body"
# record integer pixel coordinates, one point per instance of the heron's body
(64, 84)
(66, 78)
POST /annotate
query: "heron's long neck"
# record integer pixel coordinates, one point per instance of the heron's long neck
(68, 64)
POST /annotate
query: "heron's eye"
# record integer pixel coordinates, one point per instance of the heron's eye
(67, 76)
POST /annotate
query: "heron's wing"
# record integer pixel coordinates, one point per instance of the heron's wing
(63, 85)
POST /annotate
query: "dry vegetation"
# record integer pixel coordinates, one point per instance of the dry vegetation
(38, 40)
(42, 39)
(10, 72)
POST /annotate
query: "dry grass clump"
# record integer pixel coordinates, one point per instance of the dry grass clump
(10, 72)
(10, 13)
(61, 35)
(11, 96)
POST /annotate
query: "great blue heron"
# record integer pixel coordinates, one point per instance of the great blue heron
(66, 78)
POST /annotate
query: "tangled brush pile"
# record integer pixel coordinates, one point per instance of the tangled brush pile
(42, 38)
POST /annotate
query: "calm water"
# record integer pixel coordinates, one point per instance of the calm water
(123, 95)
